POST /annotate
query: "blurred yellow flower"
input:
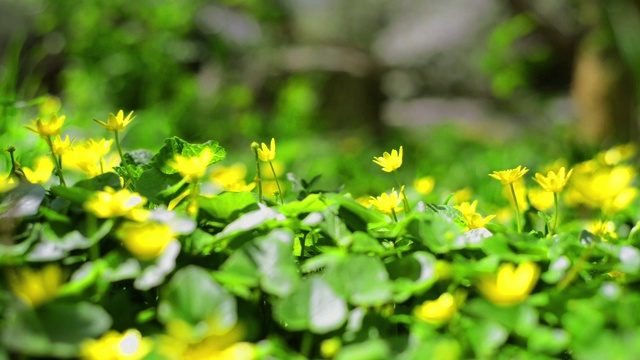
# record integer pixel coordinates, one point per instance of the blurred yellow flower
(437, 311)
(51, 127)
(180, 343)
(387, 203)
(50, 105)
(35, 287)
(553, 182)
(540, 199)
(267, 153)
(462, 195)
(192, 168)
(617, 154)
(266, 173)
(231, 178)
(130, 345)
(511, 285)
(145, 240)
(100, 147)
(116, 123)
(609, 189)
(7, 182)
(59, 146)
(510, 176)
(111, 203)
(520, 190)
(42, 170)
(604, 229)
(424, 185)
(389, 162)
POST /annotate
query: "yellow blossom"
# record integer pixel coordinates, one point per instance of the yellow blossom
(462, 195)
(59, 146)
(48, 128)
(467, 209)
(540, 199)
(42, 170)
(100, 147)
(50, 105)
(267, 153)
(145, 240)
(510, 176)
(130, 345)
(111, 203)
(36, 287)
(609, 189)
(278, 166)
(617, 154)
(7, 182)
(437, 311)
(231, 178)
(553, 182)
(424, 185)
(192, 168)
(89, 157)
(387, 203)
(389, 162)
(116, 122)
(511, 285)
(604, 229)
(476, 221)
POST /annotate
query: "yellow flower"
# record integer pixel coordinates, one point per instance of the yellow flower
(36, 287)
(467, 209)
(88, 157)
(553, 182)
(48, 128)
(510, 176)
(540, 199)
(146, 240)
(7, 182)
(387, 203)
(476, 221)
(111, 203)
(59, 146)
(511, 285)
(609, 189)
(617, 154)
(424, 185)
(116, 122)
(389, 162)
(462, 195)
(217, 344)
(192, 168)
(604, 229)
(437, 311)
(42, 170)
(130, 345)
(231, 178)
(50, 105)
(100, 147)
(266, 153)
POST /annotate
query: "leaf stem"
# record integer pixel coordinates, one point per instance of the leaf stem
(402, 194)
(124, 162)
(273, 170)
(258, 179)
(515, 202)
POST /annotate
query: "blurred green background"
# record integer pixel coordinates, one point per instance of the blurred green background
(466, 87)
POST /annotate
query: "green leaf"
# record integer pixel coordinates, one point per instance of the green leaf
(229, 205)
(194, 297)
(412, 274)
(548, 340)
(375, 349)
(176, 146)
(309, 204)
(435, 232)
(154, 274)
(152, 182)
(74, 194)
(23, 200)
(368, 281)
(55, 329)
(312, 306)
(486, 336)
(98, 183)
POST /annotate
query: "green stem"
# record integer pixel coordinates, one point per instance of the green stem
(258, 179)
(515, 202)
(277, 182)
(57, 161)
(92, 228)
(307, 342)
(577, 267)
(193, 205)
(393, 215)
(555, 213)
(404, 197)
(124, 162)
